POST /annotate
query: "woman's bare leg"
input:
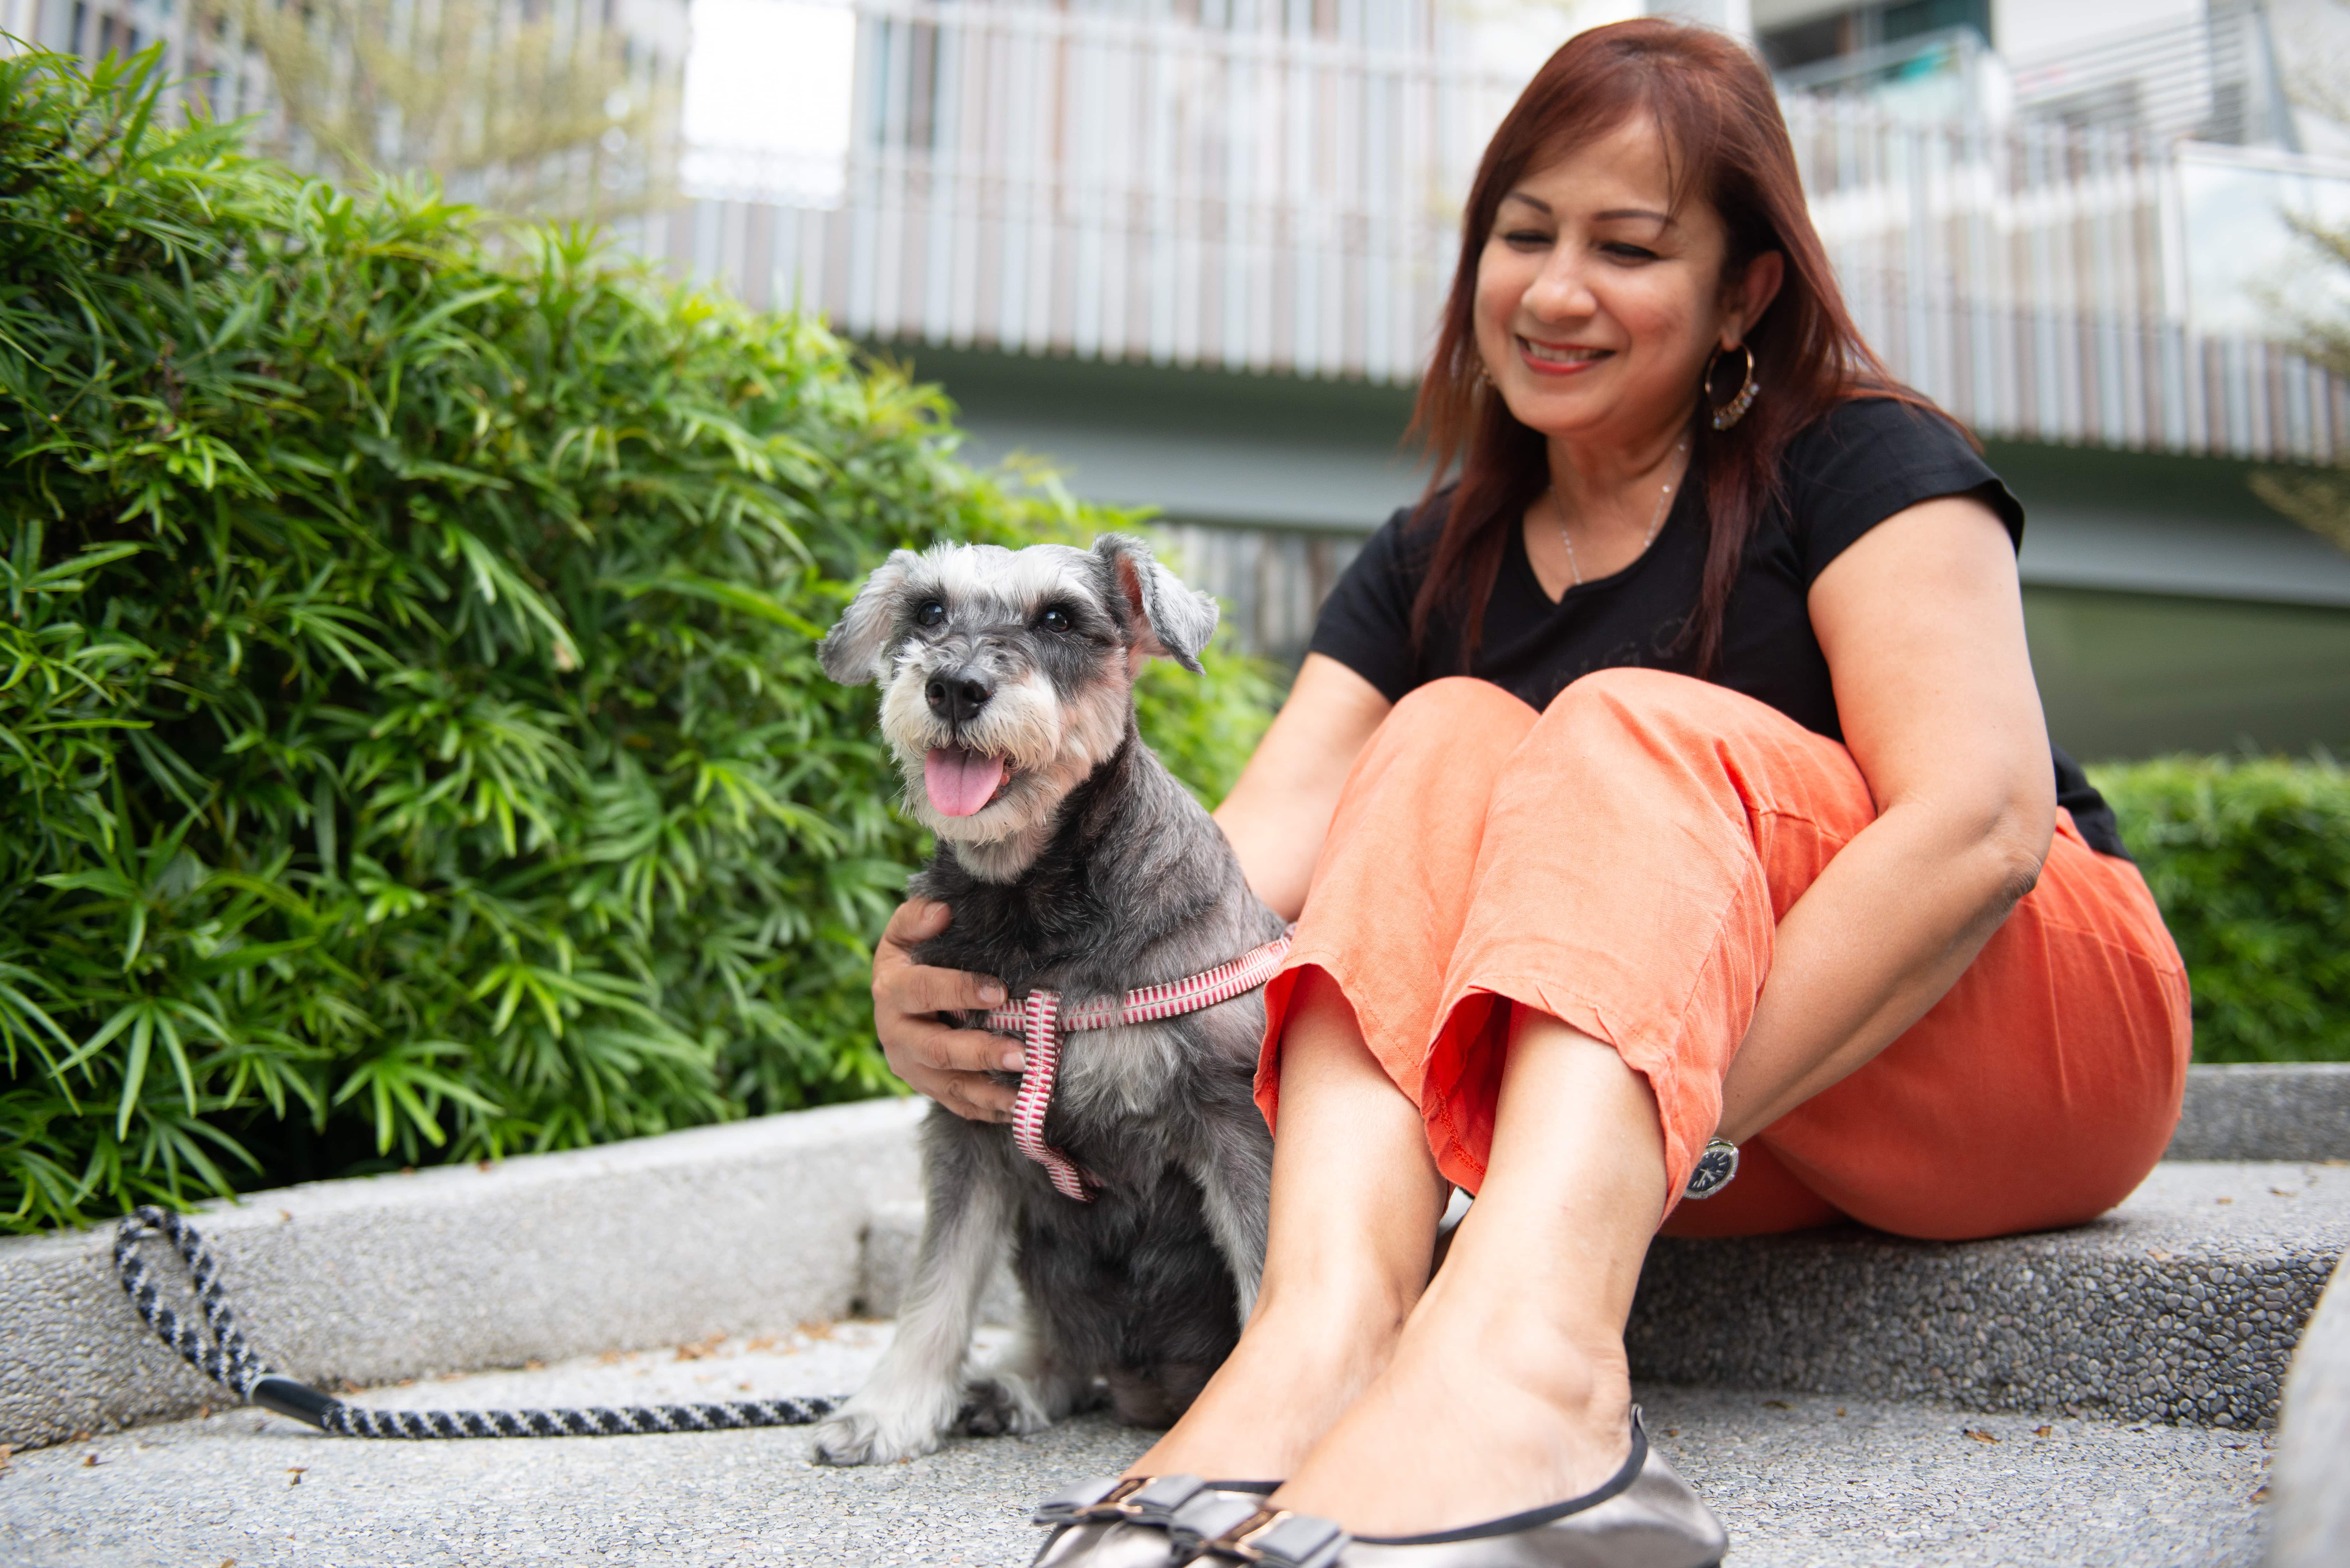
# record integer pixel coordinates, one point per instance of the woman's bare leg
(1355, 1200)
(1508, 1387)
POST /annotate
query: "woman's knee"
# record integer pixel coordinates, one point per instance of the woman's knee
(1630, 696)
(1456, 701)
(1459, 731)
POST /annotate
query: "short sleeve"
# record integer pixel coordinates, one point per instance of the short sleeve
(1366, 623)
(1872, 457)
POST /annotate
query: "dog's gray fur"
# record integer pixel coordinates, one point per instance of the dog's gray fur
(1091, 872)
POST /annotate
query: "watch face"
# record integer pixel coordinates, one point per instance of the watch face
(1714, 1168)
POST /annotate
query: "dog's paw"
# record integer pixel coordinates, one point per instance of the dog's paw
(857, 1437)
(1002, 1405)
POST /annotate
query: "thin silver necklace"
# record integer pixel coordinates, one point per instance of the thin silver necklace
(1654, 522)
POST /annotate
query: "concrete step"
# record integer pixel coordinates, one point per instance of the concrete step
(2264, 1110)
(739, 1229)
(1801, 1481)
(2183, 1304)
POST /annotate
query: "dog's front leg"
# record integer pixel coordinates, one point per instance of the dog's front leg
(916, 1392)
(1236, 1182)
(1031, 1386)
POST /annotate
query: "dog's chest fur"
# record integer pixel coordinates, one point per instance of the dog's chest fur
(1137, 886)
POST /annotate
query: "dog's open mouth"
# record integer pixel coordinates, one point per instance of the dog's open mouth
(961, 783)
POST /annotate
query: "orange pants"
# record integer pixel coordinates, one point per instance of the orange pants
(1621, 862)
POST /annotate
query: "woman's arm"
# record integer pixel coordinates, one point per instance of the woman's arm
(1279, 812)
(1922, 623)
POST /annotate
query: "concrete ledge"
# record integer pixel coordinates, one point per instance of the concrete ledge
(2183, 1304)
(2283, 1110)
(750, 1227)
(2311, 1476)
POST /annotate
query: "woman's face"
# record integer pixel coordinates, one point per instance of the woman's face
(1597, 304)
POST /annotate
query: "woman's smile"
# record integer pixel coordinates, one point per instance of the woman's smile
(1559, 359)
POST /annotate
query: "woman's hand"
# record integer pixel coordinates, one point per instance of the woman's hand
(948, 1065)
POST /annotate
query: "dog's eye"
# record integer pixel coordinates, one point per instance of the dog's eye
(1055, 619)
(932, 613)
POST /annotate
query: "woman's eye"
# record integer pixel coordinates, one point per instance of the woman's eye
(1055, 619)
(1527, 239)
(932, 613)
(1623, 252)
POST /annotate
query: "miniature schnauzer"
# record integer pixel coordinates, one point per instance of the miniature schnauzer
(1074, 861)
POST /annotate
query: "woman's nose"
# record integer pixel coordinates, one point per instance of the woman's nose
(1561, 291)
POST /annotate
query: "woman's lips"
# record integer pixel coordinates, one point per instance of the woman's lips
(1559, 359)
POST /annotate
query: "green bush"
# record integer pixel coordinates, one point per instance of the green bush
(2250, 862)
(411, 745)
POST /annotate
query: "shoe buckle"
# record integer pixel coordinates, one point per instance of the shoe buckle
(1240, 1541)
(1311, 1543)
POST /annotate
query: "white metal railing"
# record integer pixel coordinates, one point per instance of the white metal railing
(1130, 185)
(1259, 195)
(2031, 277)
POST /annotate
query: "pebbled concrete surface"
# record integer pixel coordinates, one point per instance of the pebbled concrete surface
(1799, 1480)
(754, 1225)
(2183, 1304)
(2264, 1110)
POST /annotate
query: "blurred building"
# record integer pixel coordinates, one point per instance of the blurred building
(537, 57)
(1190, 251)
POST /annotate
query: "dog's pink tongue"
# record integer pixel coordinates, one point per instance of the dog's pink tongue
(961, 782)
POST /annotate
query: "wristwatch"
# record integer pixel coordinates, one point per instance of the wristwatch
(1715, 1168)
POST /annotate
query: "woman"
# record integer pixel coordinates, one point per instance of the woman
(1678, 775)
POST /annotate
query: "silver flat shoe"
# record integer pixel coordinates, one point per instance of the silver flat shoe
(1121, 1522)
(1645, 1516)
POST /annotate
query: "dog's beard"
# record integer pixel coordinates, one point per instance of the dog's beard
(990, 789)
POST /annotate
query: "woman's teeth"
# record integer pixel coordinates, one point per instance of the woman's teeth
(1551, 355)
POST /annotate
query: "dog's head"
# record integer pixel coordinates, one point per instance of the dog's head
(1007, 676)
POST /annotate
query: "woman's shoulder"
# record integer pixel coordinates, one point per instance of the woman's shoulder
(1881, 423)
(1870, 456)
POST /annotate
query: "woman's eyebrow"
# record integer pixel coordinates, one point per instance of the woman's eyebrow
(1613, 214)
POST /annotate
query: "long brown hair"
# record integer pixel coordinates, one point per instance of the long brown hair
(1725, 145)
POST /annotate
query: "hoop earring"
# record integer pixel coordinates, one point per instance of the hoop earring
(1728, 414)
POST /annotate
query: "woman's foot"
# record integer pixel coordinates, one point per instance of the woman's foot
(1296, 1369)
(1508, 1389)
(1484, 1410)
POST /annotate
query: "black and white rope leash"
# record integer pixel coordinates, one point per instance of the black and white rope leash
(229, 1361)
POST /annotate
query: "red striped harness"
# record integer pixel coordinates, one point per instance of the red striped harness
(1039, 1023)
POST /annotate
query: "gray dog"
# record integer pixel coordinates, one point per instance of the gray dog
(1074, 865)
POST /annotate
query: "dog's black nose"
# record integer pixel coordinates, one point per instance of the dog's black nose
(957, 698)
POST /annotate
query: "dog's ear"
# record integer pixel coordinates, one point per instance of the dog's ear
(1169, 618)
(851, 651)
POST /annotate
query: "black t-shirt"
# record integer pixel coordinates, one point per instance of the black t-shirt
(1862, 463)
